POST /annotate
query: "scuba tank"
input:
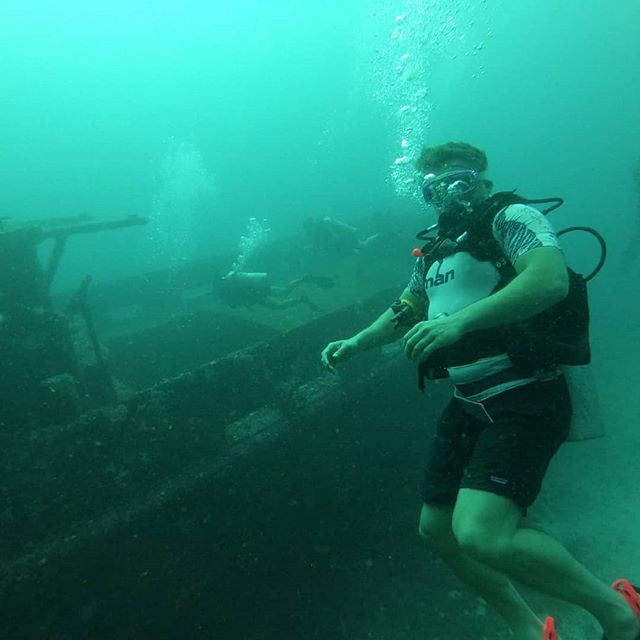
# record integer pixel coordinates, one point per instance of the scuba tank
(587, 421)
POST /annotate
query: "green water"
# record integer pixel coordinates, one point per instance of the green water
(200, 115)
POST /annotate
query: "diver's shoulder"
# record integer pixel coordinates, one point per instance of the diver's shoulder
(517, 212)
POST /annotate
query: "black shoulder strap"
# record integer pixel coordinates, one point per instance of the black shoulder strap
(482, 243)
(478, 238)
(498, 201)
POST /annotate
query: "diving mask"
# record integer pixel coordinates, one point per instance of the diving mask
(449, 186)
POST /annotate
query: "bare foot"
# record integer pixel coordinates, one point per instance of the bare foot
(623, 625)
(530, 632)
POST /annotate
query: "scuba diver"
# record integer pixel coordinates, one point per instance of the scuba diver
(247, 288)
(332, 235)
(492, 305)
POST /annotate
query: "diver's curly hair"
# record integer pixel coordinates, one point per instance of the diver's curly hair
(441, 155)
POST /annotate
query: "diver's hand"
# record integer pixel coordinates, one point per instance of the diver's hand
(430, 335)
(338, 351)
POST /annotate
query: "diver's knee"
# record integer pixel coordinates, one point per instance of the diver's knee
(480, 543)
(434, 526)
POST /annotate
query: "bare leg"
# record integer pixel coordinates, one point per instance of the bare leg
(317, 281)
(285, 289)
(487, 528)
(367, 241)
(492, 585)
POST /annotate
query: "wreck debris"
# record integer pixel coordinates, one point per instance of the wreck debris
(37, 349)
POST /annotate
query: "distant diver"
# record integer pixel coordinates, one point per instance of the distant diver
(243, 288)
(246, 288)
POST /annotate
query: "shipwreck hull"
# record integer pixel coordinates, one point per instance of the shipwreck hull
(253, 497)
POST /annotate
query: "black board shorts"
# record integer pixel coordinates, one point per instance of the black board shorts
(508, 456)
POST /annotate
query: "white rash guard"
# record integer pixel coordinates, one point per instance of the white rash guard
(459, 280)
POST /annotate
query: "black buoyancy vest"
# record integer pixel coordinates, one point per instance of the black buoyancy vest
(557, 336)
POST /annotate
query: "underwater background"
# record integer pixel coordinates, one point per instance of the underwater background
(200, 115)
(226, 126)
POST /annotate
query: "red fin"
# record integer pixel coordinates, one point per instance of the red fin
(628, 592)
(550, 629)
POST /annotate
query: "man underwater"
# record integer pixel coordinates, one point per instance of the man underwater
(496, 437)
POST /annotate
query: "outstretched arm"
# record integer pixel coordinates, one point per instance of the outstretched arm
(380, 332)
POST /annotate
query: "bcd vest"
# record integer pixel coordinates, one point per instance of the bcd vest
(558, 335)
